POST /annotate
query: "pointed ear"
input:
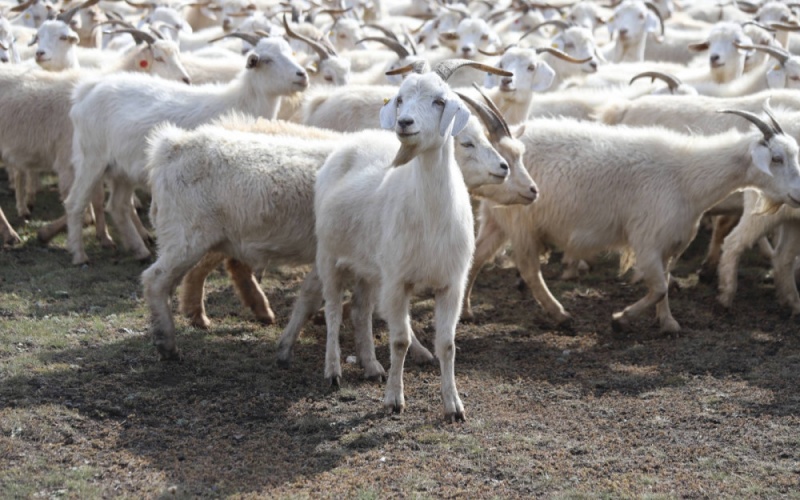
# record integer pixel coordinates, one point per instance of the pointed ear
(652, 25)
(518, 133)
(762, 157)
(543, 78)
(455, 112)
(389, 113)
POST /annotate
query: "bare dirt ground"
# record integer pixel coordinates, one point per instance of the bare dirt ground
(86, 410)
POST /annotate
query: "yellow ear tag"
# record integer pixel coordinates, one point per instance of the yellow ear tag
(777, 67)
(386, 101)
(554, 45)
(27, 16)
(611, 18)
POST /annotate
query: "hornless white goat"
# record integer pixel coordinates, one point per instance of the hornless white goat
(112, 118)
(401, 223)
(668, 181)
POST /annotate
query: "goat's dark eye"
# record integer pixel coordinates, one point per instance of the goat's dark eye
(641, 16)
(777, 159)
(484, 37)
(467, 145)
(569, 46)
(328, 78)
(63, 38)
(438, 102)
(532, 67)
(399, 100)
(159, 59)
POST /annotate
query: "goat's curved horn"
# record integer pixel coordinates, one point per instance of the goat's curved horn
(748, 7)
(410, 41)
(498, 53)
(117, 22)
(785, 27)
(562, 25)
(775, 124)
(419, 67)
(155, 28)
(138, 35)
(502, 125)
(778, 53)
(765, 129)
(445, 69)
(247, 37)
(562, 55)
(490, 121)
(143, 5)
(462, 11)
(67, 16)
(386, 31)
(397, 47)
(21, 7)
(758, 25)
(321, 51)
(672, 81)
(657, 12)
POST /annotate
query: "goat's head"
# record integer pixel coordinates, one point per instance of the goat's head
(272, 66)
(55, 41)
(725, 58)
(786, 72)
(776, 171)
(519, 188)
(530, 72)
(471, 36)
(775, 12)
(633, 20)
(34, 12)
(479, 161)
(158, 56)
(579, 43)
(586, 15)
(344, 34)
(330, 68)
(169, 20)
(234, 12)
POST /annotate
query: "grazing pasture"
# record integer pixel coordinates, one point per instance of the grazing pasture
(87, 410)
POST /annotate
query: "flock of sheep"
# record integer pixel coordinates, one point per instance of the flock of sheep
(353, 135)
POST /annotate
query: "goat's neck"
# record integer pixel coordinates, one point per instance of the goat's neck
(71, 60)
(630, 51)
(436, 174)
(514, 105)
(244, 94)
(713, 171)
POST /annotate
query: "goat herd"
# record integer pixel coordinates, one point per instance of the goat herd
(256, 127)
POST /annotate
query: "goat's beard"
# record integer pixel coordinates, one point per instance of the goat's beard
(405, 154)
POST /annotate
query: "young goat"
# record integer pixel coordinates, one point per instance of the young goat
(641, 191)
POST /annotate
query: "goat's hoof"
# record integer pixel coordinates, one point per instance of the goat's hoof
(12, 239)
(144, 259)
(521, 285)
(319, 318)
(467, 316)
(80, 260)
(670, 326)
(456, 416)
(706, 274)
(374, 371)
(107, 243)
(421, 357)
(284, 358)
(43, 236)
(266, 319)
(335, 382)
(202, 322)
(619, 323)
(170, 355)
(725, 300)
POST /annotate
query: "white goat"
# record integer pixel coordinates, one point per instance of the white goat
(402, 223)
(112, 118)
(754, 225)
(668, 181)
(632, 22)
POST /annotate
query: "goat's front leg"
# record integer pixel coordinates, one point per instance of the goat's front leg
(786, 251)
(394, 301)
(308, 301)
(490, 239)
(655, 277)
(448, 308)
(363, 304)
(332, 293)
(526, 256)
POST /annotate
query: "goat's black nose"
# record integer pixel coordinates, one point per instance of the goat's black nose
(714, 58)
(405, 122)
(593, 65)
(301, 73)
(623, 32)
(504, 167)
(507, 81)
(187, 81)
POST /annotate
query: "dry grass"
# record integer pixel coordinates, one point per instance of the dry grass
(86, 410)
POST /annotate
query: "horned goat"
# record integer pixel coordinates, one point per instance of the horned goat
(579, 166)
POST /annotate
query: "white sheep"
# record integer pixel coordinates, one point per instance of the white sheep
(112, 118)
(402, 222)
(641, 191)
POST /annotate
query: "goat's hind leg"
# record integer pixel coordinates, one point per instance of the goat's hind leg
(656, 279)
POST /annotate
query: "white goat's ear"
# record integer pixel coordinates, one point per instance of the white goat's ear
(543, 77)
(519, 131)
(651, 24)
(389, 113)
(776, 77)
(490, 81)
(455, 112)
(762, 157)
(558, 42)
(252, 61)
(208, 13)
(73, 38)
